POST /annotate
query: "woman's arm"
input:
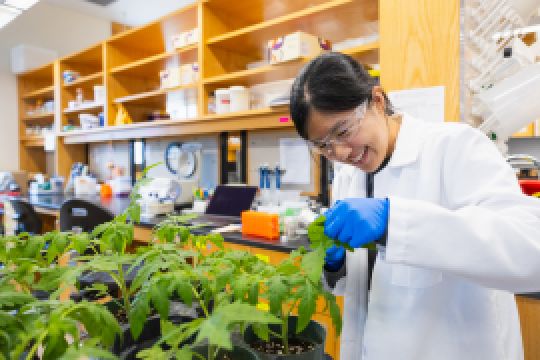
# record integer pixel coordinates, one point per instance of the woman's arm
(491, 232)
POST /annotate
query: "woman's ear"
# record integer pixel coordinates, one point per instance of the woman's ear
(377, 98)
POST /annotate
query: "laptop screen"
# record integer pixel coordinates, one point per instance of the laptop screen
(231, 200)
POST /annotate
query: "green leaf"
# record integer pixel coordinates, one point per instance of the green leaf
(158, 294)
(89, 349)
(335, 312)
(153, 353)
(306, 308)
(317, 237)
(10, 299)
(253, 295)
(277, 294)
(183, 288)
(312, 264)
(262, 331)
(139, 311)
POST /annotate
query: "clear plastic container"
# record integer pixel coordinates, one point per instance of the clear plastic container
(223, 101)
(239, 98)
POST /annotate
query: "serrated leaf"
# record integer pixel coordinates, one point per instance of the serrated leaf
(306, 308)
(184, 290)
(318, 239)
(335, 312)
(312, 263)
(158, 294)
(277, 293)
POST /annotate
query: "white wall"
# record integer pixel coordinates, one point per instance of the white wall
(46, 26)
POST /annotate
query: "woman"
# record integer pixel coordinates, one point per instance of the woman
(456, 236)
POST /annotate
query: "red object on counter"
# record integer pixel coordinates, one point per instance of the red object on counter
(529, 187)
(4, 195)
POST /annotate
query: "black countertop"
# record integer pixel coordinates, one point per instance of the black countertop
(117, 205)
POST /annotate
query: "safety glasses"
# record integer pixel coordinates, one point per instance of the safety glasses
(342, 132)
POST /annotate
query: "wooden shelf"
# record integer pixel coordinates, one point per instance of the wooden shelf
(89, 107)
(153, 64)
(40, 93)
(358, 50)
(253, 120)
(318, 19)
(92, 78)
(285, 70)
(42, 116)
(33, 141)
(241, 114)
(278, 21)
(148, 96)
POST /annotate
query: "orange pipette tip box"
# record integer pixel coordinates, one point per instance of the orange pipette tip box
(260, 224)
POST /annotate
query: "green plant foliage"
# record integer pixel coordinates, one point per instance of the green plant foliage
(56, 327)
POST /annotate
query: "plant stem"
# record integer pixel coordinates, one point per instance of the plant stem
(34, 348)
(123, 289)
(211, 352)
(285, 333)
(201, 301)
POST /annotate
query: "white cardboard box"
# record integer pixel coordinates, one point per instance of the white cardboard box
(295, 45)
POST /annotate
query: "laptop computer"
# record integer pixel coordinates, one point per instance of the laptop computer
(226, 205)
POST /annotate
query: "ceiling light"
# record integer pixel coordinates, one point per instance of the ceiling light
(20, 4)
(7, 14)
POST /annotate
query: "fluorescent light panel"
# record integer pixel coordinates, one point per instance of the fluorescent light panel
(10, 9)
(7, 14)
(21, 4)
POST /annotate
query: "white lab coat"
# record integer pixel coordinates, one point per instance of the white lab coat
(461, 239)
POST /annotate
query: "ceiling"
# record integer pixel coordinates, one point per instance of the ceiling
(129, 12)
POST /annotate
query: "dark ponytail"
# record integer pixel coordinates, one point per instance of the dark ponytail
(331, 82)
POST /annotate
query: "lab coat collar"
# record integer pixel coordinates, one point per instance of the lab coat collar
(408, 142)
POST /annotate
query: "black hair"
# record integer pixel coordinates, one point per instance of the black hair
(332, 82)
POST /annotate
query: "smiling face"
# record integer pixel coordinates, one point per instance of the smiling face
(361, 141)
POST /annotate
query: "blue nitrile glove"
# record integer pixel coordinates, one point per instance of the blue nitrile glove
(357, 221)
(335, 256)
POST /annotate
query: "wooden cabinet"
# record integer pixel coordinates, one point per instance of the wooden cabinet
(37, 96)
(529, 316)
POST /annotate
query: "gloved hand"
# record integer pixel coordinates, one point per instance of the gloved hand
(357, 221)
(335, 256)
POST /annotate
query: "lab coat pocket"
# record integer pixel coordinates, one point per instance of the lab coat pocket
(414, 277)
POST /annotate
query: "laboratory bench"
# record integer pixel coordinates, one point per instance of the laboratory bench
(49, 206)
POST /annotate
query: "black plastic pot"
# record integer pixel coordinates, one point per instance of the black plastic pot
(96, 277)
(41, 294)
(238, 352)
(313, 333)
(149, 336)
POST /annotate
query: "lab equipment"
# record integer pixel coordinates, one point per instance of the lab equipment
(85, 185)
(260, 224)
(158, 197)
(511, 104)
(223, 101)
(239, 98)
(231, 200)
(76, 170)
(121, 186)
